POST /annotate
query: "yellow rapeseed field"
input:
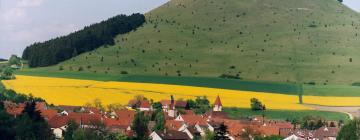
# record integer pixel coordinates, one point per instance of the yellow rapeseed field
(332, 101)
(61, 91)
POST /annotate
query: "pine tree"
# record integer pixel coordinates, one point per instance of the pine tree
(221, 132)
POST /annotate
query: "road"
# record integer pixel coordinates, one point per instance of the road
(351, 111)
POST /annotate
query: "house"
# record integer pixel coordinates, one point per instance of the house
(58, 123)
(169, 135)
(13, 108)
(48, 114)
(143, 105)
(41, 106)
(174, 125)
(181, 104)
(197, 121)
(69, 109)
(323, 133)
(327, 133)
(118, 125)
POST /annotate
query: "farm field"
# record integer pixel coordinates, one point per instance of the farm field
(211, 82)
(79, 92)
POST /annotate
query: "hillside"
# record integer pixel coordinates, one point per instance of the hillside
(312, 41)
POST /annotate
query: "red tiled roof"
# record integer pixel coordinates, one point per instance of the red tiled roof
(181, 104)
(194, 119)
(117, 123)
(145, 104)
(40, 105)
(15, 111)
(58, 121)
(218, 101)
(165, 102)
(85, 118)
(123, 114)
(173, 125)
(48, 113)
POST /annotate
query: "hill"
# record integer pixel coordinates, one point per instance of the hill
(2, 60)
(312, 41)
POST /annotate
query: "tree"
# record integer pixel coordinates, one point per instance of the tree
(7, 74)
(139, 125)
(70, 130)
(159, 121)
(221, 132)
(255, 104)
(350, 131)
(79, 134)
(30, 125)
(209, 135)
(157, 105)
(90, 38)
(14, 60)
(340, 1)
(202, 105)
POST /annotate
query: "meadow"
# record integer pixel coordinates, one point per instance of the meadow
(307, 41)
(237, 113)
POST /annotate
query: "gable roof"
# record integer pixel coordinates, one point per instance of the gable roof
(180, 104)
(194, 119)
(218, 101)
(58, 121)
(40, 105)
(48, 113)
(324, 132)
(117, 123)
(173, 125)
(172, 135)
(124, 113)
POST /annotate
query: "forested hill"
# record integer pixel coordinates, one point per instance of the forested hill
(311, 41)
(91, 37)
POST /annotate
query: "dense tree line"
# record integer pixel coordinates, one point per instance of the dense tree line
(91, 37)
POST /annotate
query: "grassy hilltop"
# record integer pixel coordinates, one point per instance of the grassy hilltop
(314, 41)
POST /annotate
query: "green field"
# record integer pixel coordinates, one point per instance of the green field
(237, 113)
(266, 40)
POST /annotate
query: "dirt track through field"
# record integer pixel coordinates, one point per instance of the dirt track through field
(351, 111)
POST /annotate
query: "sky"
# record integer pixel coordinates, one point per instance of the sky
(23, 22)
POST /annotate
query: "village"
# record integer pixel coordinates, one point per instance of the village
(180, 121)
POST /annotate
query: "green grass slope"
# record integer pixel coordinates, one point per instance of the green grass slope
(269, 40)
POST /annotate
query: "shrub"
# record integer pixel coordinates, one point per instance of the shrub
(124, 72)
(256, 105)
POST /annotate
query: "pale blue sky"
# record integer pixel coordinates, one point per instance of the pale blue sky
(23, 22)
